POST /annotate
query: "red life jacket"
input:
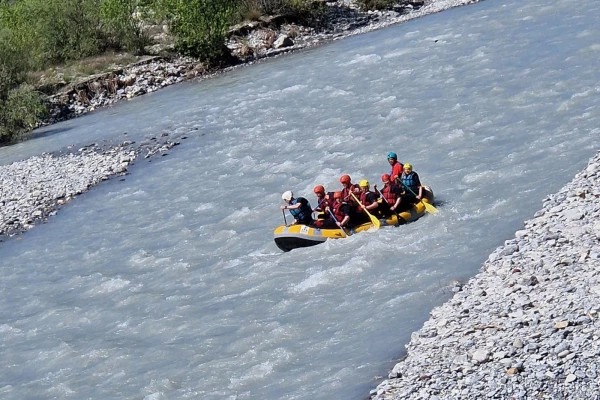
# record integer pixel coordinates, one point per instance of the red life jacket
(326, 201)
(346, 193)
(388, 194)
(337, 212)
(365, 196)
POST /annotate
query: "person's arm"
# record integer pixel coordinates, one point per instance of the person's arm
(346, 210)
(374, 204)
(418, 182)
(396, 204)
(344, 221)
(321, 206)
(398, 198)
(300, 202)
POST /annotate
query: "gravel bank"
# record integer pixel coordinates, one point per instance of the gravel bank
(34, 189)
(527, 326)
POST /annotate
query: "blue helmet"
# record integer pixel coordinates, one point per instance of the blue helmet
(392, 155)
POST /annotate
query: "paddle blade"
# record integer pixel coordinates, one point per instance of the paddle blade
(374, 220)
(430, 209)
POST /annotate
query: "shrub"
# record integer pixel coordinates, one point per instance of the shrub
(200, 27)
(54, 31)
(19, 113)
(122, 22)
(20, 105)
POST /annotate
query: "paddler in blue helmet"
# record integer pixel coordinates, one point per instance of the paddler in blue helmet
(397, 167)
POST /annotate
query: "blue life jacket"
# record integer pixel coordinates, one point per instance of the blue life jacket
(303, 214)
(410, 182)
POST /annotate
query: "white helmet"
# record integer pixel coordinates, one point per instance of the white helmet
(287, 196)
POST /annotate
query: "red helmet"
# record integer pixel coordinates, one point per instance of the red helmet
(319, 189)
(344, 179)
(385, 178)
(337, 195)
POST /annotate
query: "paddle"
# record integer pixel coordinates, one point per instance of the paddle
(373, 219)
(428, 207)
(335, 219)
(284, 220)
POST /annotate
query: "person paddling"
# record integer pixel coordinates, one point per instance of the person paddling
(341, 211)
(367, 197)
(348, 187)
(299, 208)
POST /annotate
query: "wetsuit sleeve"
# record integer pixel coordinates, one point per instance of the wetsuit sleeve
(417, 180)
(303, 201)
(345, 209)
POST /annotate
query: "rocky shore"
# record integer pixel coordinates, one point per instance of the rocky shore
(249, 43)
(527, 326)
(34, 189)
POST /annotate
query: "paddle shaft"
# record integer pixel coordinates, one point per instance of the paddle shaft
(335, 219)
(387, 202)
(428, 207)
(319, 205)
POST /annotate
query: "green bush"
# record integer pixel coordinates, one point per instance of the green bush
(59, 31)
(20, 105)
(200, 27)
(122, 22)
(54, 31)
(19, 113)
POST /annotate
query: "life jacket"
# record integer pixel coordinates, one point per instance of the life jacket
(368, 198)
(327, 201)
(388, 194)
(346, 196)
(409, 181)
(336, 209)
(302, 214)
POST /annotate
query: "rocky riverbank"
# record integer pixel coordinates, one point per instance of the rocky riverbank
(34, 189)
(249, 43)
(527, 326)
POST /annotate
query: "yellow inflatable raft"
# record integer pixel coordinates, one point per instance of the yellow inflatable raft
(289, 237)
